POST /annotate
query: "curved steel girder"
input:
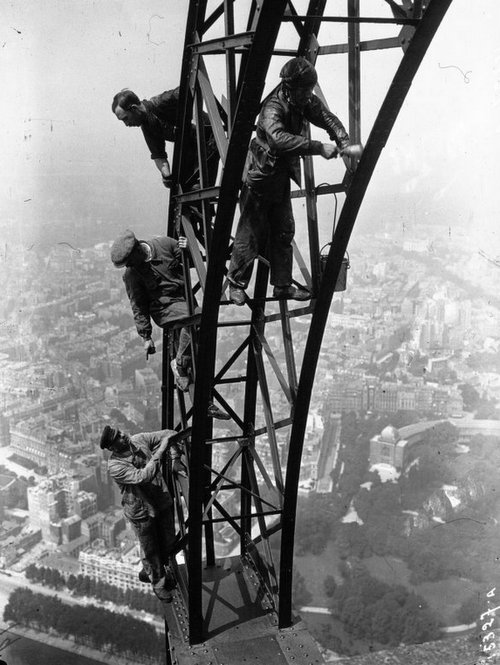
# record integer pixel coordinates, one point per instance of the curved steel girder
(250, 85)
(249, 96)
(355, 194)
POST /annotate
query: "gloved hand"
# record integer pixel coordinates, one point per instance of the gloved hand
(355, 150)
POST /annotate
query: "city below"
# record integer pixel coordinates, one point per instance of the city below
(411, 349)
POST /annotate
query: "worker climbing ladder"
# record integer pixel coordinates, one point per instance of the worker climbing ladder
(243, 478)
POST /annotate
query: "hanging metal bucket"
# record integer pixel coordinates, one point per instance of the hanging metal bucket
(341, 283)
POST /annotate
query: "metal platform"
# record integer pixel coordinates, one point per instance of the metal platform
(240, 624)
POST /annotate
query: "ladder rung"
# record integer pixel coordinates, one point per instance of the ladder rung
(198, 195)
(223, 43)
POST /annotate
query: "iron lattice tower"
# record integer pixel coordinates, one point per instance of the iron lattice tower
(244, 478)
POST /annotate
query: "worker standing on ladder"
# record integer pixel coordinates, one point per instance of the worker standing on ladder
(266, 208)
(154, 281)
(135, 465)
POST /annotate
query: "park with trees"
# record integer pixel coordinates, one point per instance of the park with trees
(91, 626)
(395, 545)
(84, 586)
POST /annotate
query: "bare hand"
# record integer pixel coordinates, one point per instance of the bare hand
(166, 175)
(174, 452)
(182, 243)
(328, 151)
(149, 347)
(165, 445)
(167, 181)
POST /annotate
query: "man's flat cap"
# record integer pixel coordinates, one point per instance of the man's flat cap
(108, 436)
(298, 72)
(122, 248)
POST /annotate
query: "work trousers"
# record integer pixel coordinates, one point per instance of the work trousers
(266, 227)
(172, 317)
(156, 537)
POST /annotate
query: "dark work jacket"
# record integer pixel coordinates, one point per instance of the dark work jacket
(160, 126)
(143, 489)
(155, 285)
(280, 139)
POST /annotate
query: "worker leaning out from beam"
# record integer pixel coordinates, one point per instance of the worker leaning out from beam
(266, 210)
(157, 118)
(135, 465)
(154, 282)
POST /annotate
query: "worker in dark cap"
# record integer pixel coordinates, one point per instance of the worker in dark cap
(154, 281)
(135, 465)
(266, 219)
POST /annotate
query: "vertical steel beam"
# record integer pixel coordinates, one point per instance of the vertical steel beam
(250, 409)
(268, 414)
(230, 63)
(167, 387)
(194, 25)
(289, 352)
(312, 222)
(354, 66)
(203, 166)
(196, 17)
(252, 81)
(308, 47)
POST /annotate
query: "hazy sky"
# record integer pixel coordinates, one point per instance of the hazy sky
(64, 155)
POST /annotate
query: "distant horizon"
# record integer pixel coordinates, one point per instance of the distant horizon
(65, 156)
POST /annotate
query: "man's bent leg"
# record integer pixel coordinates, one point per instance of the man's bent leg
(184, 350)
(166, 534)
(281, 251)
(166, 540)
(181, 364)
(146, 532)
(282, 234)
(250, 238)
